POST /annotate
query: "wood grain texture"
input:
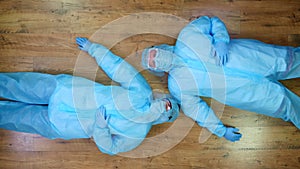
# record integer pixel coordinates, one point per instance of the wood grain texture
(40, 36)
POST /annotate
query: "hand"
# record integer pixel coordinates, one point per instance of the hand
(221, 52)
(83, 43)
(232, 134)
(101, 118)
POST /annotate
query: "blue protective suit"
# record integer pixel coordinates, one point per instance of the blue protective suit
(249, 79)
(64, 106)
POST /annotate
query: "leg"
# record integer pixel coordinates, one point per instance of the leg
(27, 87)
(291, 105)
(289, 109)
(271, 61)
(293, 67)
(265, 97)
(26, 118)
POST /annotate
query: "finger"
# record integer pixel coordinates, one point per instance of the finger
(104, 115)
(224, 60)
(101, 108)
(221, 60)
(103, 112)
(235, 130)
(83, 39)
(81, 42)
(98, 115)
(107, 119)
(78, 39)
(213, 54)
(217, 59)
(238, 137)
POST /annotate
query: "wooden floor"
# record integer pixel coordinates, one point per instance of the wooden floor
(40, 36)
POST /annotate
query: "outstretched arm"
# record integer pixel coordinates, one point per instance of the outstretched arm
(198, 110)
(114, 66)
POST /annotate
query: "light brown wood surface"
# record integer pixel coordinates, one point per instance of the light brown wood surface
(40, 36)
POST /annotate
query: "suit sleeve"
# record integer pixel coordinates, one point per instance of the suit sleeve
(114, 144)
(197, 109)
(213, 28)
(196, 40)
(219, 31)
(118, 69)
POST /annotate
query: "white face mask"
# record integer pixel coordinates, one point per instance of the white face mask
(163, 60)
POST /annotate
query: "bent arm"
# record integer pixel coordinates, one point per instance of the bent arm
(219, 31)
(198, 110)
(198, 39)
(213, 28)
(114, 144)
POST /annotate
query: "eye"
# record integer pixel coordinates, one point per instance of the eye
(170, 117)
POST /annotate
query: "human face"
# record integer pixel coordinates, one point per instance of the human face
(152, 54)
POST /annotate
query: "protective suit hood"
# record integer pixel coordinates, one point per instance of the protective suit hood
(164, 59)
(165, 116)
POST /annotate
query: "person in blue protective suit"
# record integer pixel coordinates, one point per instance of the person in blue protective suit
(242, 73)
(118, 118)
